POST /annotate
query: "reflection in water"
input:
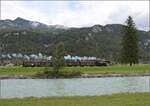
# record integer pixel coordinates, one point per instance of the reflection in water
(72, 87)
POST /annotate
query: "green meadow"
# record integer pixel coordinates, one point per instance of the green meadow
(125, 99)
(119, 69)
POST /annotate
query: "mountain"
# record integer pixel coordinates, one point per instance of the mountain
(21, 23)
(22, 36)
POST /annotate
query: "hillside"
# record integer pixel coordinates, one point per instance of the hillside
(24, 36)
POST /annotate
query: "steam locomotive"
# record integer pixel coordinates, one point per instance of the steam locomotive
(68, 63)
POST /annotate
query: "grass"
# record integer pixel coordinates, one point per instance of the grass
(27, 71)
(141, 68)
(125, 99)
(121, 69)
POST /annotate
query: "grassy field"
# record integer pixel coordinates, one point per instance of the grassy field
(123, 69)
(10, 71)
(112, 69)
(135, 99)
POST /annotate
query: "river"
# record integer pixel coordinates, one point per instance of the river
(12, 88)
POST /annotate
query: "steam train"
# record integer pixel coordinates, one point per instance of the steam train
(68, 63)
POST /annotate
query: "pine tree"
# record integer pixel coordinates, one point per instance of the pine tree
(129, 52)
(58, 58)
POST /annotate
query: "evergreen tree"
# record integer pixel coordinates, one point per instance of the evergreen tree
(58, 58)
(129, 52)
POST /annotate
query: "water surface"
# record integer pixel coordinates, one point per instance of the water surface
(72, 87)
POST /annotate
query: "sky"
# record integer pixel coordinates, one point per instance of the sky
(78, 13)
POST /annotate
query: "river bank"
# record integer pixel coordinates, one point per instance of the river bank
(81, 76)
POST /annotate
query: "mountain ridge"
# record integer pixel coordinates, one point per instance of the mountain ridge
(26, 24)
(38, 25)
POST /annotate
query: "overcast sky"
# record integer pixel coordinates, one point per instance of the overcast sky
(78, 13)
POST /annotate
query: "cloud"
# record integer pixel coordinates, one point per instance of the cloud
(78, 13)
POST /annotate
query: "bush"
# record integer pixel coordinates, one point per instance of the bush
(52, 74)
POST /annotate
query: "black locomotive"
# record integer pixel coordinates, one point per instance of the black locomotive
(68, 63)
